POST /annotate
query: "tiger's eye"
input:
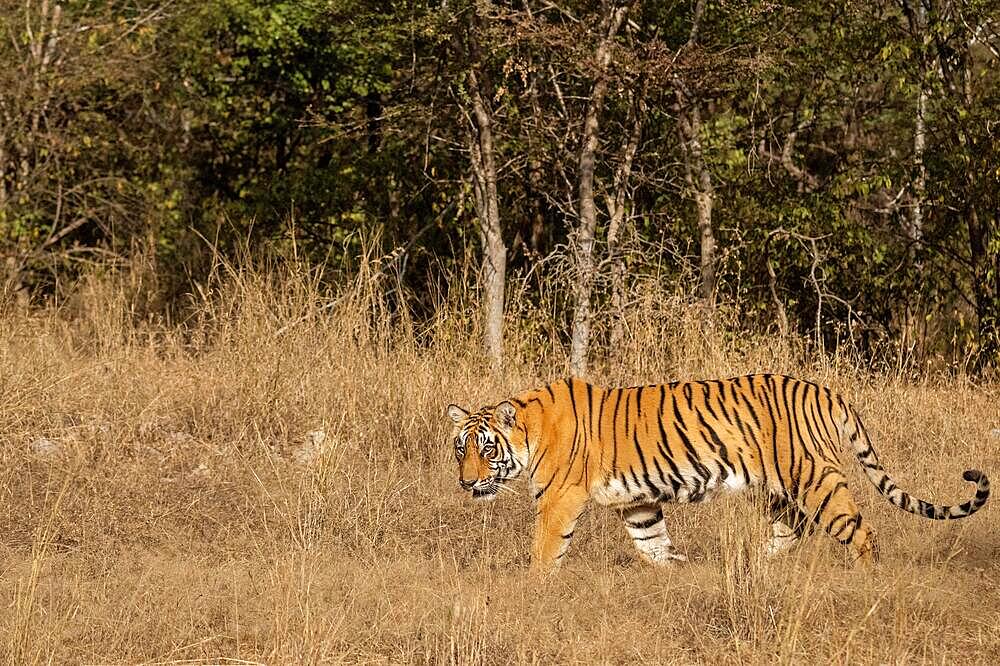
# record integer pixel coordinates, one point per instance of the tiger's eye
(489, 451)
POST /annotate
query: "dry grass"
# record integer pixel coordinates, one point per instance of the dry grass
(165, 496)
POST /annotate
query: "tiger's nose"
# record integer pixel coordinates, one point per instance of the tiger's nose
(466, 485)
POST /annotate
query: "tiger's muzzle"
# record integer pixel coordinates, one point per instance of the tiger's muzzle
(482, 489)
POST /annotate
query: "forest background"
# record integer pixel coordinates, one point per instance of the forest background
(831, 170)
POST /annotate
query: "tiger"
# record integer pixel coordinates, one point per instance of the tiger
(638, 448)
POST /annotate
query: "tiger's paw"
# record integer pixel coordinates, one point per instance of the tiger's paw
(663, 556)
(782, 538)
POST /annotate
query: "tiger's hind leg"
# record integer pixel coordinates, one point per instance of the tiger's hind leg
(788, 523)
(645, 524)
(829, 501)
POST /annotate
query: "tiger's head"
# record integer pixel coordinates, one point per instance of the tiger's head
(490, 448)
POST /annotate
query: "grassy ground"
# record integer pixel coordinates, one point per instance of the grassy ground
(270, 482)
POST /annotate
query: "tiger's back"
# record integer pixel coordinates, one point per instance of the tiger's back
(685, 441)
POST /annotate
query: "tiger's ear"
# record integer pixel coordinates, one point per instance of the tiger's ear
(506, 414)
(457, 414)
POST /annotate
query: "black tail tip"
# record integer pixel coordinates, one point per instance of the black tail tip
(973, 475)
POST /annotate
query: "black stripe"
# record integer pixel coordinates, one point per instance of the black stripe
(843, 405)
(808, 481)
(527, 443)
(926, 509)
(827, 471)
(808, 415)
(542, 491)
(600, 420)
(659, 471)
(809, 399)
(596, 435)
(753, 412)
(726, 467)
(678, 479)
(863, 455)
(870, 450)
(751, 441)
(645, 524)
(638, 483)
(828, 414)
(589, 430)
(772, 411)
(614, 433)
(585, 470)
(746, 401)
(795, 439)
(822, 412)
(692, 454)
(574, 451)
(854, 522)
(851, 523)
(538, 462)
(706, 401)
(746, 473)
(720, 395)
(826, 500)
(647, 538)
(628, 396)
(642, 461)
(834, 522)
(733, 398)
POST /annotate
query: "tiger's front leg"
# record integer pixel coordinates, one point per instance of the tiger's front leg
(645, 524)
(554, 524)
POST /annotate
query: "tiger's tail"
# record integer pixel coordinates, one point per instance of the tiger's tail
(855, 431)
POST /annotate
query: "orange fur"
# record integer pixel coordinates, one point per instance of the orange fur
(634, 449)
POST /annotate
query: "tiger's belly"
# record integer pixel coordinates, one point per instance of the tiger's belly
(622, 490)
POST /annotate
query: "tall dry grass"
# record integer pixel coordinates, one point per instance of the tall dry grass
(268, 481)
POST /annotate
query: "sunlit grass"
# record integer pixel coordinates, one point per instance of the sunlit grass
(270, 482)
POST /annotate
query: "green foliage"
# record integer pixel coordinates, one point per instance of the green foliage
(325, 121)
(269, 87)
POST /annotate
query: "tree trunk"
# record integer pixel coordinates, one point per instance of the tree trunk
(916, 227)
(488, 210)
(583, 242)
(699, 179)
(915, 223)
(772, 283)
(616, 216)
(536, 217)
(696, 171)
(984, 240)
(3, 173)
